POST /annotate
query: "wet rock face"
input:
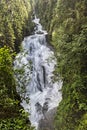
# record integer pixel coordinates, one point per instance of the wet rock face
(44, 76)
(45, 107)
(48, 122)
(39, 84)
(38, 107)
(40, 32)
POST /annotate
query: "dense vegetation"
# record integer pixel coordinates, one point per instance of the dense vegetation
(15, 23)
(66, 21)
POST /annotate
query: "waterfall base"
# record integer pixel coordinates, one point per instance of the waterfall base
(48, 122)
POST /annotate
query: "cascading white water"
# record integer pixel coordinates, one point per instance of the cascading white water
(34, 67)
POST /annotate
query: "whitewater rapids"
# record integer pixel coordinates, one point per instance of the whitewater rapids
(34, 67)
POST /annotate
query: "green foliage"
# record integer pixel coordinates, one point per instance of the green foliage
(8, 100)
(69, 41)
(68, 25)
(83, 123)
(15, 17)
(18, 123)
(6, 71)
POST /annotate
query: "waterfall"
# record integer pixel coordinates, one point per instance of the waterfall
(34, 67)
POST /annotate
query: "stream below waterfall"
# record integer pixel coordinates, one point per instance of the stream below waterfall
(34, 67)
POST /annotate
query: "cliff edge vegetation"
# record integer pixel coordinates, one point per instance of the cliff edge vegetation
(66, 22)
(15, 23)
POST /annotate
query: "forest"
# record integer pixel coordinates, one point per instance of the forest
(66, 23)
(15, 23)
